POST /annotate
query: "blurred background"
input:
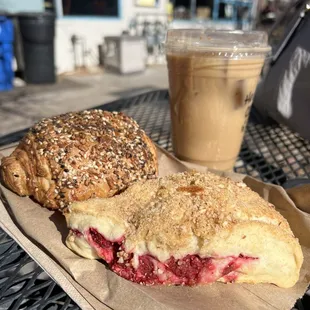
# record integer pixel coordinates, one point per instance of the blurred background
(64, 55)
(87, 34)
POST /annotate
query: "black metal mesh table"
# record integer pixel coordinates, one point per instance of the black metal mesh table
(269, 152)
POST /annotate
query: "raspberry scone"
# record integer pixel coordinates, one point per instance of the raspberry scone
(187, 229)
(77, 156)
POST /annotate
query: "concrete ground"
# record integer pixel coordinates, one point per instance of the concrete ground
(23, 106)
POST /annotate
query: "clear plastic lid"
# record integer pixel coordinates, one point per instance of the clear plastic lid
(222, 43)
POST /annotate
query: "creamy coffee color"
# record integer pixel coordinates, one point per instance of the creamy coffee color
(210, 99)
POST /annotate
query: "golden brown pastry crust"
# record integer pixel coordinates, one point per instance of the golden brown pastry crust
(77, 156)
(198, 214)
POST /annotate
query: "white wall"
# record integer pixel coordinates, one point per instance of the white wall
(14, 6)
(92, 30)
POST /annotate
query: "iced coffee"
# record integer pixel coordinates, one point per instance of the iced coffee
(212, 80)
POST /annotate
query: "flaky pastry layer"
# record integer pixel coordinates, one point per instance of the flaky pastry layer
(77, 156)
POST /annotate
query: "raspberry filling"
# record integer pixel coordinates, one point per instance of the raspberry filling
(190, 270)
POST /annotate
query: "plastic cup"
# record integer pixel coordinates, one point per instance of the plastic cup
(212, 80)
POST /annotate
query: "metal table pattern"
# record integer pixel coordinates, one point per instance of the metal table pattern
(269, 152)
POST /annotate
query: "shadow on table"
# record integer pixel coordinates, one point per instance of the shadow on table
(60, 223)
(267, 172)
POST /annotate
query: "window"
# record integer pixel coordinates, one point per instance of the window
(108, 8)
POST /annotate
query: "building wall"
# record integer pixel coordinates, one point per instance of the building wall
(92, 30)
(14, 6)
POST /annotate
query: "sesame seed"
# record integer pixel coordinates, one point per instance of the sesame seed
(92, 145)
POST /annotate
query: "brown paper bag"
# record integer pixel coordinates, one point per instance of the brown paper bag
(42, 232)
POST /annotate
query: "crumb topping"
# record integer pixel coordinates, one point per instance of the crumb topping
(89, 148)
(172, 209)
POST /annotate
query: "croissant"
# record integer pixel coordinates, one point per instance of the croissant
(77, 156)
